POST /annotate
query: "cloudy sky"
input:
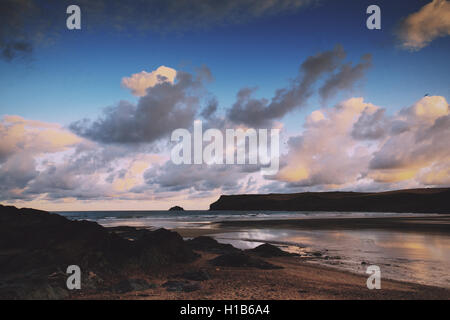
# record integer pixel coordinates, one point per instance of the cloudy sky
(87, 115)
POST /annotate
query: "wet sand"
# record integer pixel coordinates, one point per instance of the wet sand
(412, 249)
(424, 224)
(431, 224)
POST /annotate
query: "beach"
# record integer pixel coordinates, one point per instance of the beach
(407, 247)
(296, 281)
(308, 275)
(245, 255)
(415, 249)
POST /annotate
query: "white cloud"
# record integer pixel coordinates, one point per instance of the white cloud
(138, 83)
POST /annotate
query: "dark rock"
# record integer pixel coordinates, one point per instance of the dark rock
(181, 286)
(91, 282)
(174, 285)
(163, 247)
(200, 275)
(35, 244)
(209, 244)
(191, 287)
(128, 233)
(43, 240)
(33, 285)
(122, 287)
(41, 291)
(240, 259)
(176, 208)
(268, 251)
(129, 285)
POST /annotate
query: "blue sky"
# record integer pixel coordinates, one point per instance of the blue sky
(79, 72)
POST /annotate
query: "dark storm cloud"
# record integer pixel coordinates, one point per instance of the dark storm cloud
(25, 23)
(261, 112)
(210, 109)
(15, 16)
(346, 78)
(166, 107)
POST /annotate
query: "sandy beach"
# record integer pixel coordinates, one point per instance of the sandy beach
(296, 281)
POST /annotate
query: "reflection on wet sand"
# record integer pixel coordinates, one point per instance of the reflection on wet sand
(401, 256)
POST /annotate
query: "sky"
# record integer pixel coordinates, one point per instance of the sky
(87, 115)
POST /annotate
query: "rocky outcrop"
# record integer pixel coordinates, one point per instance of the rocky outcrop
(36, 245)
(241, 260)
(267, 250)
(211, 245)
(198, 275)
(176, 208)
(432, 200)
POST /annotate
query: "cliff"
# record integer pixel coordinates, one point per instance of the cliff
(430, 200)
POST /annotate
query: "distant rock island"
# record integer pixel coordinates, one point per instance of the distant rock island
(176, 208)
(427, 200)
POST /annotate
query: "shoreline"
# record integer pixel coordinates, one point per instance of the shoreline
(422, 224)
(404, 224)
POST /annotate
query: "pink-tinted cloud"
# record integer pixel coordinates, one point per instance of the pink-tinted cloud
(430, 22)
(138, 83)
(356, 144)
